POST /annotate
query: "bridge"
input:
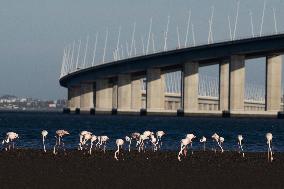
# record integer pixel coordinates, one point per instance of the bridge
(141, 84)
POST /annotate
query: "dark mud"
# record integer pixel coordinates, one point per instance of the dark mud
(35, 169)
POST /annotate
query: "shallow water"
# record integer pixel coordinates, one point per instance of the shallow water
(30, 125)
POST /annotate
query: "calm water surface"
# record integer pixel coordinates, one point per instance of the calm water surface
(30, 125)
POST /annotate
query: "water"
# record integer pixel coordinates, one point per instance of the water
(30, 125)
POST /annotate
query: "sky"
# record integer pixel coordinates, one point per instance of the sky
(33, 33)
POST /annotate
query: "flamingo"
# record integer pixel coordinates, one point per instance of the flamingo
(103, 141)
(240, 138)
(154, 142)
(93, 139)
(136, 136)
(160, 134)
(203, 140)
(191, 137)
(59, 135)
(183, 145)
(221, 141)
(44, 133)
(128, 139)
(10, 137)
(142, 138)
(82, 136)
(216, 138)
(119, 143)
(269, 150)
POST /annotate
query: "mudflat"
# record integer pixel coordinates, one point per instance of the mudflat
(76, 169)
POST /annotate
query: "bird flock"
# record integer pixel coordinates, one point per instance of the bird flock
(148, 139)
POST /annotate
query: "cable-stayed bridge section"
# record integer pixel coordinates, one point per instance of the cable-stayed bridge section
(141, 84)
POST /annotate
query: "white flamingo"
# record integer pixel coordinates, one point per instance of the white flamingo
(136, 136)
(142, 140)
(240, 138)
(183, 145)
(10, 137)
(44, 133)
(93, 139)
(160, 134)
(221, 141)
(154, 143)
(216, 138)
(191, 137)
(119, 144)
(58, 143)
(203, 140)
(269, 150)
(103, 141)
(82, 138)
(128, 139)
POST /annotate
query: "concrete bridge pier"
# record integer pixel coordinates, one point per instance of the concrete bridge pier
(124, 93)
(104, 94)
(224, 81)
(74, 97)
(86, 97)
(273, 83)
(155, 91)
(237, 84)
(136, 94)
(190, 87)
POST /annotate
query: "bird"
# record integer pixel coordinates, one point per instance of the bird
(136, 136)
(191, 137)
(216, 138)
(119, 144)
(10, 137)
(183, 144)
(128, 139)
(269, 137)
(142, 138)
(154, 142)
(160, 134)
(221, 141)
(93, 139)
(240, 138)
(82, 136)
(103, 141)
(203, 140)
(58, 143)
(44, 133)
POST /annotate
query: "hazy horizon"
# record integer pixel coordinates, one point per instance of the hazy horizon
(34, 33)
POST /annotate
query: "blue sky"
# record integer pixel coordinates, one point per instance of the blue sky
(33, 33)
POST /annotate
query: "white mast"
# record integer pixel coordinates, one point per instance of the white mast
(187, 28)
(86, 50)
(262, 18)
(95, 49)
(210, 34)
(193, 34)
(275, 21)
(133, 36)
(143, 45)
(127, 49)
(118, 41)
(78, 54)
(230, 28)
(166, 34)
(251, 23)
(72, 56)
(236, 19)
(149, 35)
(104, 54)
(153, 43)
(178, 38)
